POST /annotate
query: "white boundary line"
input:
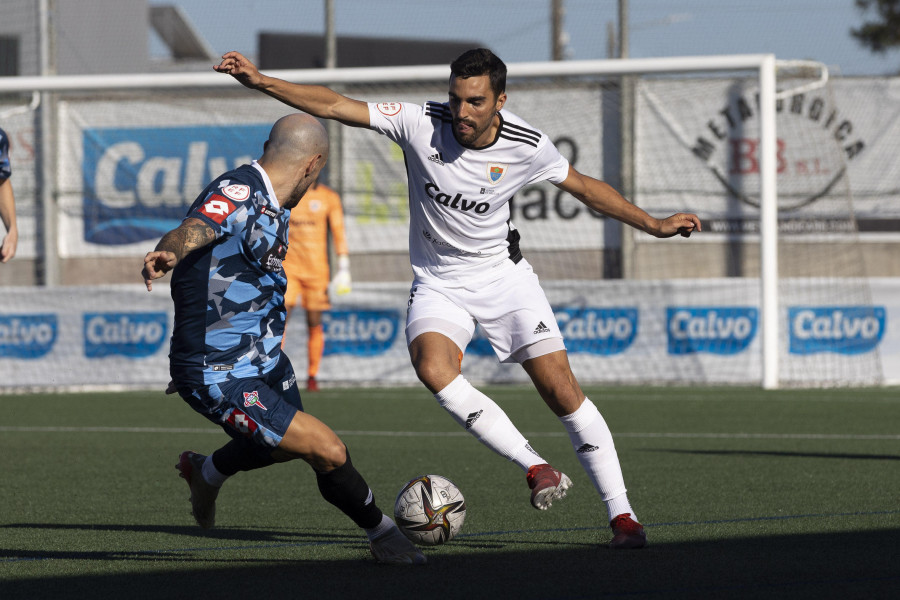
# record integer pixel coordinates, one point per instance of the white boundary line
(671, 435)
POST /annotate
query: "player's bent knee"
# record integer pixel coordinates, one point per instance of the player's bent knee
(434, 373)
(313, 441)
(427, 372)
(436, 380)
(332, 454)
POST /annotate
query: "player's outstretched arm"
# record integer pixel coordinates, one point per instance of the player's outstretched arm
(316, 100)
(175, 245)
(603, 198)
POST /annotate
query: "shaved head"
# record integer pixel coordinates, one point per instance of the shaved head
(293, 155)
(296, 136)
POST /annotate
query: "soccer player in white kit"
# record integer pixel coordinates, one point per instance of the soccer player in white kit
(465, 160)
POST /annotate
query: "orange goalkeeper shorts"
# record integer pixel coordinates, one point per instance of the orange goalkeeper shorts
(312, 294)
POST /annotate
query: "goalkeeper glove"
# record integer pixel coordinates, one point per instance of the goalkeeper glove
(341, 282)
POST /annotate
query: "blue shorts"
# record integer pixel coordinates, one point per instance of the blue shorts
(259, 409)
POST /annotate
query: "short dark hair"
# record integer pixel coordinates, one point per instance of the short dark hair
(481, 61)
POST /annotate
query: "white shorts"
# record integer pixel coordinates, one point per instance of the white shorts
(513, 311)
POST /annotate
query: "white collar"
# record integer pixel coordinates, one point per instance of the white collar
(268, 182)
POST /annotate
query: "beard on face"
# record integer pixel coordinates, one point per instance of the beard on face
(472, 135)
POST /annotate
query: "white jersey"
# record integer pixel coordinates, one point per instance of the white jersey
(460, 228)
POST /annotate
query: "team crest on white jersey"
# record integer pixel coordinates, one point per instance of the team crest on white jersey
(496, 171)
(388, 109)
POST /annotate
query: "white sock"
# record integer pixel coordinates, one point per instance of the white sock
(211, 474)
(481, 417)
(619, 506)
(380, 529)
(593, 444)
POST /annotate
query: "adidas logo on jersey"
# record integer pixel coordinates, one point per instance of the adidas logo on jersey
(541, 328)
(585, 448)
(470, 420)
(437, 158)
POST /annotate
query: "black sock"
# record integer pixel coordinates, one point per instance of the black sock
(346, 489)
(240, 455)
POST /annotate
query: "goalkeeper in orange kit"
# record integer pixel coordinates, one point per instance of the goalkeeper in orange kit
(306, 266)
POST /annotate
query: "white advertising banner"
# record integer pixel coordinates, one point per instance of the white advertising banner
(70, 337)
(616, 332)
(129, 169)
(697, 148)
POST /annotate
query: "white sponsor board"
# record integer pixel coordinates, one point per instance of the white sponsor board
(641, 332)
(697, 149)
(129, 169)
(66, 337)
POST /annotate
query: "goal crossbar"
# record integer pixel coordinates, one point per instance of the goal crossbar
(205, 80)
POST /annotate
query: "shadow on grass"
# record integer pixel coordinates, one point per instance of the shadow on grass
(224, 533)
(839, 455)
(255, 538)
(834, 565)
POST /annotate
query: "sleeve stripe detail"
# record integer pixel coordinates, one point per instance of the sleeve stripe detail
(440, 117)
(513, 138)
(438, 111)
(522, 131)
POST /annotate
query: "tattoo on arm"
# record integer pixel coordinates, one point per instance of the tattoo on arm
(190, 235)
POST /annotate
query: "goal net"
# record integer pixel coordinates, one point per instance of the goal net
(635, 308)
(697, 147)
(675, 135)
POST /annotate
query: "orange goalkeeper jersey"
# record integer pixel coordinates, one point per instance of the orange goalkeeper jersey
(307, 255)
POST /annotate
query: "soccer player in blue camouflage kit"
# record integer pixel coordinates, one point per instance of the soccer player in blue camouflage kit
(226, 361)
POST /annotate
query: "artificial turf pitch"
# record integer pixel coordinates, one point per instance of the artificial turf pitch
(743, 493)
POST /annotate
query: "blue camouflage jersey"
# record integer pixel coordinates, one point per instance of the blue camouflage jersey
(229, 295)
(5, 169)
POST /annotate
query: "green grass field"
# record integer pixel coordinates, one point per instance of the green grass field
(744, 494)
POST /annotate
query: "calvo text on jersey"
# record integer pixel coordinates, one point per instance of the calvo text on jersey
(456, 202)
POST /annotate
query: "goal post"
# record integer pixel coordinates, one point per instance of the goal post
(606, 314)
(768, 229)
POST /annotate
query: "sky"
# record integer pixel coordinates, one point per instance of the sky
(519, 30)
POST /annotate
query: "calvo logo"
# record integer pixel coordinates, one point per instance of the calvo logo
(139, 181)
(711, 329)
(360, 332)
(27, 336)
(135, 335)
(604, 331)
(839, 329)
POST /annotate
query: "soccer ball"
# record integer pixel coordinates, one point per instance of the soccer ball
(430, 510)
